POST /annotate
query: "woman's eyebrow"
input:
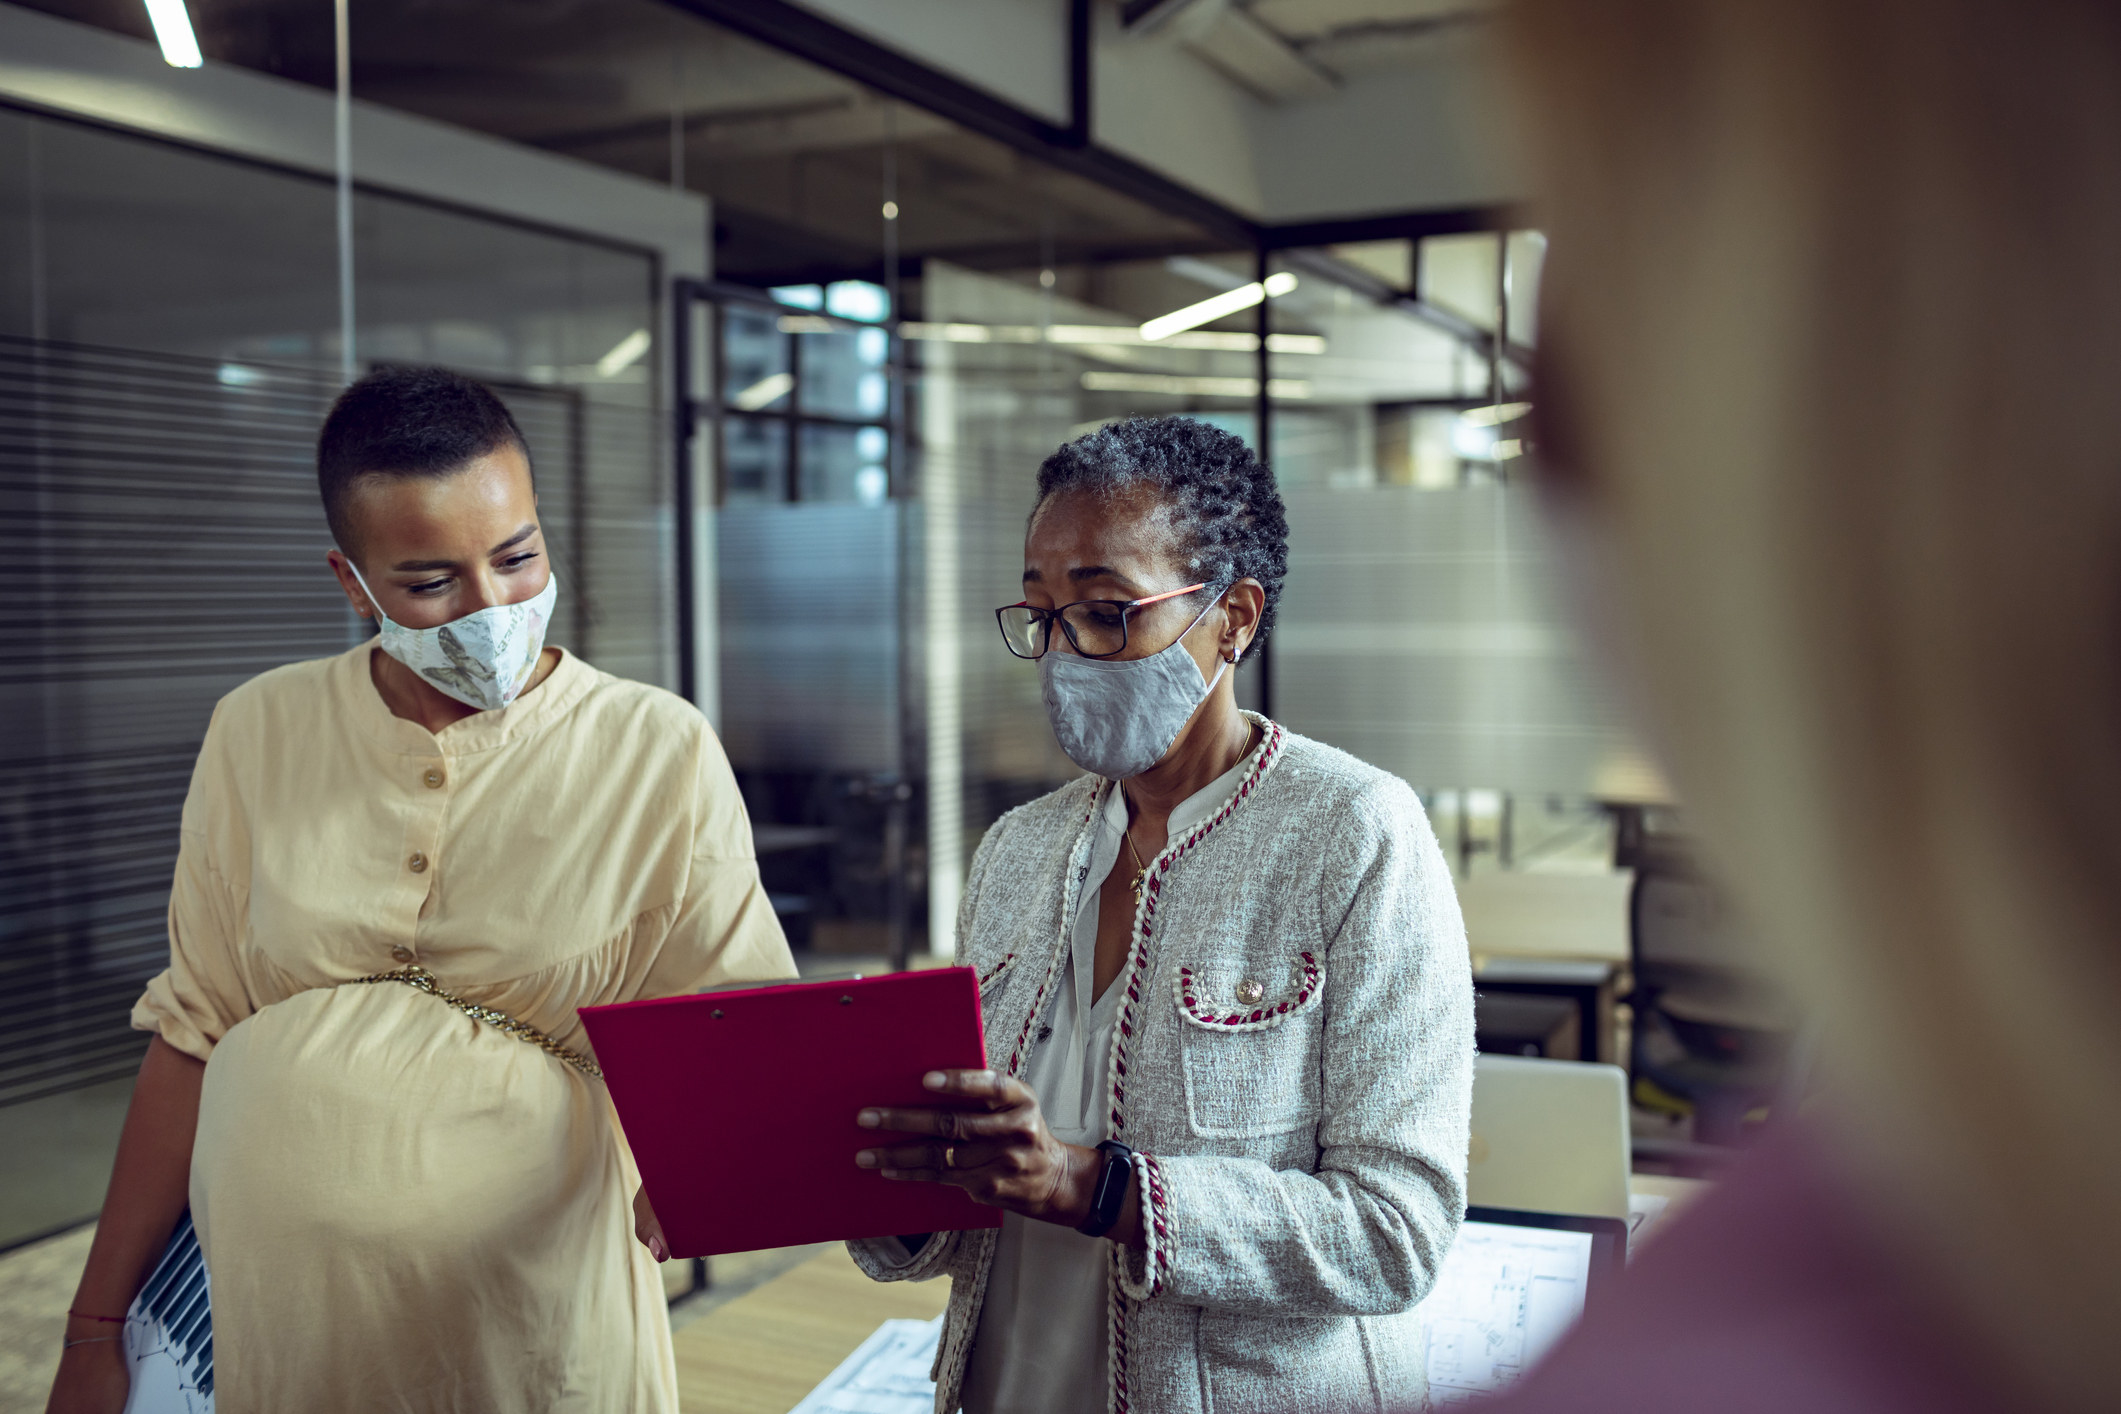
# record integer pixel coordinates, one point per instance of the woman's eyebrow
(516, 539)
(1083, 573)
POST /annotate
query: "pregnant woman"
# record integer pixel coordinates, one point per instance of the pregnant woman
(1226, 995)
(401, 871)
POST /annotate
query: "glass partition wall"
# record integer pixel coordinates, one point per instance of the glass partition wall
(1422, 628)
(907, 317)
(168, 347)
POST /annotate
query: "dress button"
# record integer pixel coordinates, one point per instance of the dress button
(433, 778)
(418, 864)
(1249, 991)
(401, 953)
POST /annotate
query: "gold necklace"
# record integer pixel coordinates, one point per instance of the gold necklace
(1141, 870)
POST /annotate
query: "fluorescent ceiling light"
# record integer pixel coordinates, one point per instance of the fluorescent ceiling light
(857, 299)
(180, 47)
(804, 324)
(1218, 306)
(764, 393)
(1173, 385)
(1495, 415)
(1109, 336)
(624, 354)
(948, 333)
(1480, 444)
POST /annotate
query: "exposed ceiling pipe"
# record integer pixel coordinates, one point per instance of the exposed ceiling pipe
(1371, 287)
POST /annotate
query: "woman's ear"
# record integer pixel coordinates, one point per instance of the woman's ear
(1242, 608)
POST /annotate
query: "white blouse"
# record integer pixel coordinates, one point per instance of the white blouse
(1042, 1341)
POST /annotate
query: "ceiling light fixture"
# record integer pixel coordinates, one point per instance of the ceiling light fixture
(1494, 415)
(764, 393)
(624, 354)
(1171, 385)
(1108, 336)
(180, 47)
(1218, 306)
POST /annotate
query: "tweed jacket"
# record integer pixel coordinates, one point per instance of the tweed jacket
(1302, 1152)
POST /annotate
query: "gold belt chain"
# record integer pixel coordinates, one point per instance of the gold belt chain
(420, 979)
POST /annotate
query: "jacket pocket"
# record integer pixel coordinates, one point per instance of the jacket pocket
(1288, 1365)
(1249, 1046)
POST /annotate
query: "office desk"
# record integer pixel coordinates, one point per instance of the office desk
(762, 1352)
(1551, 935)
(1588, 987)
(1520, 915)
(765, 1350)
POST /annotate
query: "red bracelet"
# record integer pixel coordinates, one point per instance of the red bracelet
(84, 1316)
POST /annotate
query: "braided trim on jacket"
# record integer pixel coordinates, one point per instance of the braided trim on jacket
(1121, 1292)
(1071, 899)
(1159, 1234)
(1117, 1393)
(994, 973)
(1145, 918)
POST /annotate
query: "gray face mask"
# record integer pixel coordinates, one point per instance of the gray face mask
(1116, 718)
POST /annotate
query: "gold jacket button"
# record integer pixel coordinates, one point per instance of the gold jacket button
(401, 953)
(418, 864)
(1249, 991)
(433, 778)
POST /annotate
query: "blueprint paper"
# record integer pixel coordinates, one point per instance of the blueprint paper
(169, 1334)
(1504, 1297)
(887, 1374)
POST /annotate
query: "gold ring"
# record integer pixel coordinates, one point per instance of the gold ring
(950, 1156)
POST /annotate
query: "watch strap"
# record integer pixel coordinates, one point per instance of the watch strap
(1110, 1194)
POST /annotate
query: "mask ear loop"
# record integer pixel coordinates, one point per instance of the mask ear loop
(355, 570)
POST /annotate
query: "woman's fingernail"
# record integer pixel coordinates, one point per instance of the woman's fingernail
(868, 1119)
(935, 1080)
(657, 1250)
(866, 1159)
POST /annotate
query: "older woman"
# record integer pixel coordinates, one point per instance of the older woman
(1226, 994)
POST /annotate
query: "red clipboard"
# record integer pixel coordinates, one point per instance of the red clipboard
(740, 1105)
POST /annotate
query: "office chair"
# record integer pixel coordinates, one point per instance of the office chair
(1712, 1034)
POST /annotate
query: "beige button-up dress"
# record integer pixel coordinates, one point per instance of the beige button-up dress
(402, 1208)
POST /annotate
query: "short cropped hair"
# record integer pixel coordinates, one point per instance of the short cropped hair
(406, 422)
(1223, 503)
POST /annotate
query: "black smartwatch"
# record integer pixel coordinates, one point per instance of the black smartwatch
(1110, 1195)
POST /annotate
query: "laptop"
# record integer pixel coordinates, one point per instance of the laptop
(1511, 1286)
(1549, 1136)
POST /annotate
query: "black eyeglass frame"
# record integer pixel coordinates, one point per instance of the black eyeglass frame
(1126, 609)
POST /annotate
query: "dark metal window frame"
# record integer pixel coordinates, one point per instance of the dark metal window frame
(697, 363)
(713, 409)
(1072, 147)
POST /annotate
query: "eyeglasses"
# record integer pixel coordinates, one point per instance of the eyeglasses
(1096, 628)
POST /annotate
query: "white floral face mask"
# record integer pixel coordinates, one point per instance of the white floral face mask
(484, 659)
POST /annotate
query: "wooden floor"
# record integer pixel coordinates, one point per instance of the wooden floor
(762, 1352)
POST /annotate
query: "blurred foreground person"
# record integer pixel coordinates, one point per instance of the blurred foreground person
(402, 869)
(1830, 423)
(1226, 993)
